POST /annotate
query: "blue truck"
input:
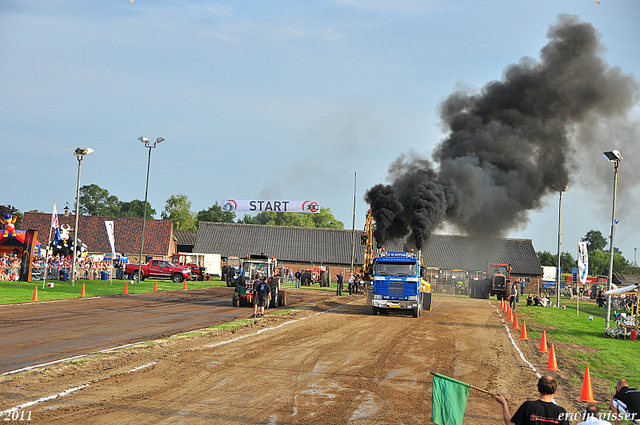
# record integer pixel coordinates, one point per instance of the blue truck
(398, 284)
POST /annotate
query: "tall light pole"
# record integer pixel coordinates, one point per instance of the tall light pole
(80, 154)
(559, 271)
(615, 157)
(146, 190)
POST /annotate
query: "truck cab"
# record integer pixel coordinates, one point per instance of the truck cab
(398, 284)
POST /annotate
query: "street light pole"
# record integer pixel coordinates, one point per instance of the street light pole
(615, 157)
(146, 190)
(559, 271)
(80, 154)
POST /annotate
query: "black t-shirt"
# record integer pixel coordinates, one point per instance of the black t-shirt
(262, 288)
(540, 412)
(630, 397)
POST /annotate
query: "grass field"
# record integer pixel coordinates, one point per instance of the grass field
(21, 292)
(608, 359)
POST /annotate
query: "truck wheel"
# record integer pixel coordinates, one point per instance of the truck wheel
(416, 312)
(177, 278)
(134, 276)
(235, 300)
(376, 310)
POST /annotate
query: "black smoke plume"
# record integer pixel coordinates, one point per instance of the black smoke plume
(506, 146)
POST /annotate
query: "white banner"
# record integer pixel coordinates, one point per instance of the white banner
(271, 206)
(112, 241)
(583, 262)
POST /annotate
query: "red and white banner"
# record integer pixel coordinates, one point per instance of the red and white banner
(271, 206)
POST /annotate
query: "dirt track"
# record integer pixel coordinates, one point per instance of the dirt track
(332, 362)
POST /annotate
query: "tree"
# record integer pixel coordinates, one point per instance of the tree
(178, 209)
(567, 262)
(324, 219)
(547, 259)
(13, 211)
(97, 201)
(215, 214)
(135, 208)
(595, 240)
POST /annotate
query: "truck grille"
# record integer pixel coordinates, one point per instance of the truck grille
(395, 289)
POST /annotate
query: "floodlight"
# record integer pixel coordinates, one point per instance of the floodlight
(613, 156)
(143, 139)
(159, 139)
(82, 151)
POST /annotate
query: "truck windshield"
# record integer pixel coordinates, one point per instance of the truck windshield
(498, 269)
(396, 269)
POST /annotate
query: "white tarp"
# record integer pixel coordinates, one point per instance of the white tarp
(254, 205)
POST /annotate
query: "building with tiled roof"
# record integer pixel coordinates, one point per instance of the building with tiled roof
(185, 240)
(334, 247)
(159, 240)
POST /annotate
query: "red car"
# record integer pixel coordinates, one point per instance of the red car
(158, 269)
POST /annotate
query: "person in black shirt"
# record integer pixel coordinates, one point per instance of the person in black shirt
(261, 292)
(340, 283)
(539, 412)
(626, 401)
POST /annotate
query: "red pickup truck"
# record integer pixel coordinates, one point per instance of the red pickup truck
(158, 269)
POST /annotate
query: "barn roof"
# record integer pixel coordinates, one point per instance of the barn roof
(333, 246)
(127, 232)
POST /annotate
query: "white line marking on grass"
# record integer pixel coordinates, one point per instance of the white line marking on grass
(515, 346)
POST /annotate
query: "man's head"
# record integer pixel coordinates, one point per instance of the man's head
(621, 383)
(258, 276)
(547, 385)
(592, 410)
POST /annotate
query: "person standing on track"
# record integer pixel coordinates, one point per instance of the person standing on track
(261, 292)
(339, 284)
(514, 296)
(352, 281)
(539, 412)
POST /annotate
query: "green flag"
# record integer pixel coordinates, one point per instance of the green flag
(448, 400)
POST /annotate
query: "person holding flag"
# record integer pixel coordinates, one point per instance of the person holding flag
(55, 224)
(543, 411)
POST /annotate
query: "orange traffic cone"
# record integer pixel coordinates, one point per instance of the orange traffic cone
(126, 288)
(510, 314)
(184, 285)
(515, 321)
(155, 286)
(35, 294)
(552, 364)
(587, 391)
(523, 334)
(502, 303)
(543, 343)
(83, 293)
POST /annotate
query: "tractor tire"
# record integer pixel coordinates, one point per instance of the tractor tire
(472, 289)
(235, 300)
(229, 280)
(177, 278)
(324, 279)
(275, 298)
(223, 273)
(283, 299)
(305, 279)
(485, 289)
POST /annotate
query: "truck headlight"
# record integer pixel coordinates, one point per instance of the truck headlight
(377, 297)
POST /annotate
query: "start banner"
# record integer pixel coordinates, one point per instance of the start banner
(272, 206)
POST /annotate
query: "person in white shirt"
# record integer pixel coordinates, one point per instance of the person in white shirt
(592, 416)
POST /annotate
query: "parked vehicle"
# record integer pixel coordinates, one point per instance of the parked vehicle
(202, 266)
(267, 267)
(158, 269)
(318, 275)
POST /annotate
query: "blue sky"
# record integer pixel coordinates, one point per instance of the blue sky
(280, 99)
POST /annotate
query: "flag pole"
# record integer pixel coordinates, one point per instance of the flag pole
(471, 386)
(46, 251)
